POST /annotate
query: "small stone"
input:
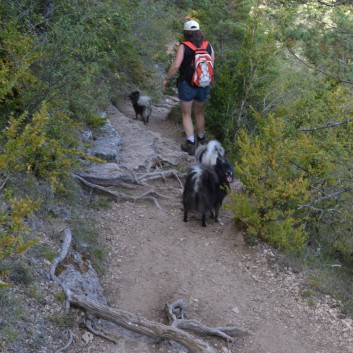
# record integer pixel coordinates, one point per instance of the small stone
(87, 337)
(235, 310)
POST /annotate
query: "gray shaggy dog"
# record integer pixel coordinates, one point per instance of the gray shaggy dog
(208, 154)
(142, 105)
(205, 188)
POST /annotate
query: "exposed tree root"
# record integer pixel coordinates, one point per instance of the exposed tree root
(177, 314)
(68, 344)
(99, 332)
(118, 181)
(160, 174)
(137, 179)
(119, 196)
(63, 253)
(157, 161)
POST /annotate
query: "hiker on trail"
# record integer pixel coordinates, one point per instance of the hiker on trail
(193, 83)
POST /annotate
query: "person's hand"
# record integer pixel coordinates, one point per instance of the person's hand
(165, 83)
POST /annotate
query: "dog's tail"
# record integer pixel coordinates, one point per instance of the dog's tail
(199, 188)
(208, 154)
(145, 102)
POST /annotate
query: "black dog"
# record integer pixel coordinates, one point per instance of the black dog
(205, 188)
(142, 105)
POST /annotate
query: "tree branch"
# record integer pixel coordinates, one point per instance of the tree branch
(328, 125)
(335, 195)
(318, 69)
(4, 182)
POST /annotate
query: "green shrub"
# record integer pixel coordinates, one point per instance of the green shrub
(274, 183)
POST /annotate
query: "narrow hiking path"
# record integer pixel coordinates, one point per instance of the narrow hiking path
(155, 258)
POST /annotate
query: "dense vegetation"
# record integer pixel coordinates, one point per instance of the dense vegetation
(281, 104)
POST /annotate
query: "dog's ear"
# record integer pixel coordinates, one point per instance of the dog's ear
(134, 94)
(219, 162)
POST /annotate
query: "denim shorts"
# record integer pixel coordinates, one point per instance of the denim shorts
(188, 93)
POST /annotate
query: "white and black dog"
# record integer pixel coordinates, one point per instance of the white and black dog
(208, 154)
(142, 105)
(207, 184)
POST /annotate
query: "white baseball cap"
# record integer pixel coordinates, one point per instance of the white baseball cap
(191, 26)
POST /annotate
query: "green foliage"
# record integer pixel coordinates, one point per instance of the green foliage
(289, 171)
(16, 59)
(13, 227)
(271, 169)
(319, 37)
(40, 147)
(244, 72)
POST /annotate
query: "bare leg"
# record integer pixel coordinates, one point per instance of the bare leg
(186, 109)
(199, 117)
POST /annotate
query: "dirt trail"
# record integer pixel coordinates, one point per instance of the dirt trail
(154, 258)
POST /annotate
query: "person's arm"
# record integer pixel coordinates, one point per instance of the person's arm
(174, 67)
(212, 54)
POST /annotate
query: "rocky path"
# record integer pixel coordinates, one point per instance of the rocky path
(155, 258)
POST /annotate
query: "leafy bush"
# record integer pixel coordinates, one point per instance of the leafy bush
(272, 170)
(33, 147)
(13, 228)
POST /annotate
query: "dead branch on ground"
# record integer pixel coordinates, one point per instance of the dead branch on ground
(142, 326)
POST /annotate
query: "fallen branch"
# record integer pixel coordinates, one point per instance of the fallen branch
(141, 325)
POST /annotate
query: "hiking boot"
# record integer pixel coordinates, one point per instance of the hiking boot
(188, 147)
(201, 141)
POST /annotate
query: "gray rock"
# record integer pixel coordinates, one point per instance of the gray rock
(106, 145)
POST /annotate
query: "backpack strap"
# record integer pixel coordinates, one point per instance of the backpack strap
(192, 46)
(204, 44)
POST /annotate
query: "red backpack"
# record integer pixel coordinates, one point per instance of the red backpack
(203, 74)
